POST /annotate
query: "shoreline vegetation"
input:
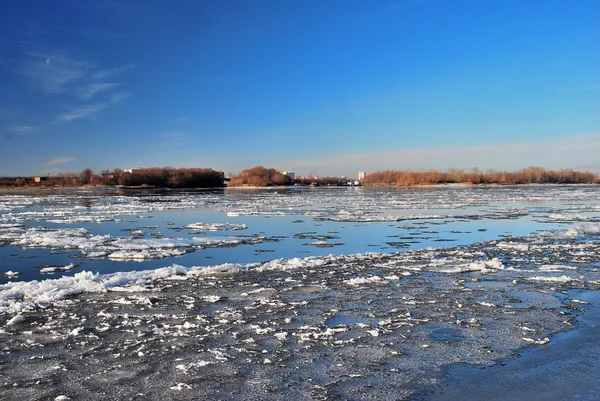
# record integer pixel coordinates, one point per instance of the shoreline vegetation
(530, 175)
(259, 176)
(166, 177)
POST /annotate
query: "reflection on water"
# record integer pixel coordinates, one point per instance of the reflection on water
(281, 223)
(564, 370)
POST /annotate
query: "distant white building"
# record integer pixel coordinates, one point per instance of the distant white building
(290, 174)
(361, 175)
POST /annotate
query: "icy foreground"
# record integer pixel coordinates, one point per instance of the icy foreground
(359, 326)
(365, 326)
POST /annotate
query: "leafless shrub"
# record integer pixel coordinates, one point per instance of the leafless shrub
(530, 175)
(259, 176)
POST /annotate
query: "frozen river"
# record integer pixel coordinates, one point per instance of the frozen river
(313, 293)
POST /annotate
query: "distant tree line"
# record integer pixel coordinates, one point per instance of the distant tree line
(62, 179)
(157, 177)
(530, 175)
(322, 181)
(169, 177)
(259, 176)
(10, 182)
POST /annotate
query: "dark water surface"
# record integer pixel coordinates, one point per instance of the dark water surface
(565, 369)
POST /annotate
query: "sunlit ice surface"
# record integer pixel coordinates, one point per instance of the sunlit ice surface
(296, 292)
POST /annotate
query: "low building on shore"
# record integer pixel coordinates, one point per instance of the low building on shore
(290, 174)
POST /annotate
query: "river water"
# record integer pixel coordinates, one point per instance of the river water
(315, 293)
(108, 231)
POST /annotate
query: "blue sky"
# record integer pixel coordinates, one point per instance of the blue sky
(327, 87)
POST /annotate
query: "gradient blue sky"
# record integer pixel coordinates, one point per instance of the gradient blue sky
(326, 87)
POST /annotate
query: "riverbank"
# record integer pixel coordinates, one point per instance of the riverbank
(276, 187)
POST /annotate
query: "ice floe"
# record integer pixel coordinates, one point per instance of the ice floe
(15, 297)
(19, 296)
(364, 280)
(116, 248)
(217, 226)
(54, 269)
(531, 341)
(313, 327)
(567, 217)
(583, 230)
(360, 218)
(551, 279)
(449, 266)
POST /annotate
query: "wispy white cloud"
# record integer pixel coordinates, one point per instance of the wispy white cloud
(22, 129)
(91, 109)
(28, 29)
(562, 152)
(55, 71)
(59, 160)
(9, 133)
(82, 112)
(7, 114)
(107, 73)
(91, 90)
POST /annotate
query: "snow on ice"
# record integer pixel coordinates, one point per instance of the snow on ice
(368, 324)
